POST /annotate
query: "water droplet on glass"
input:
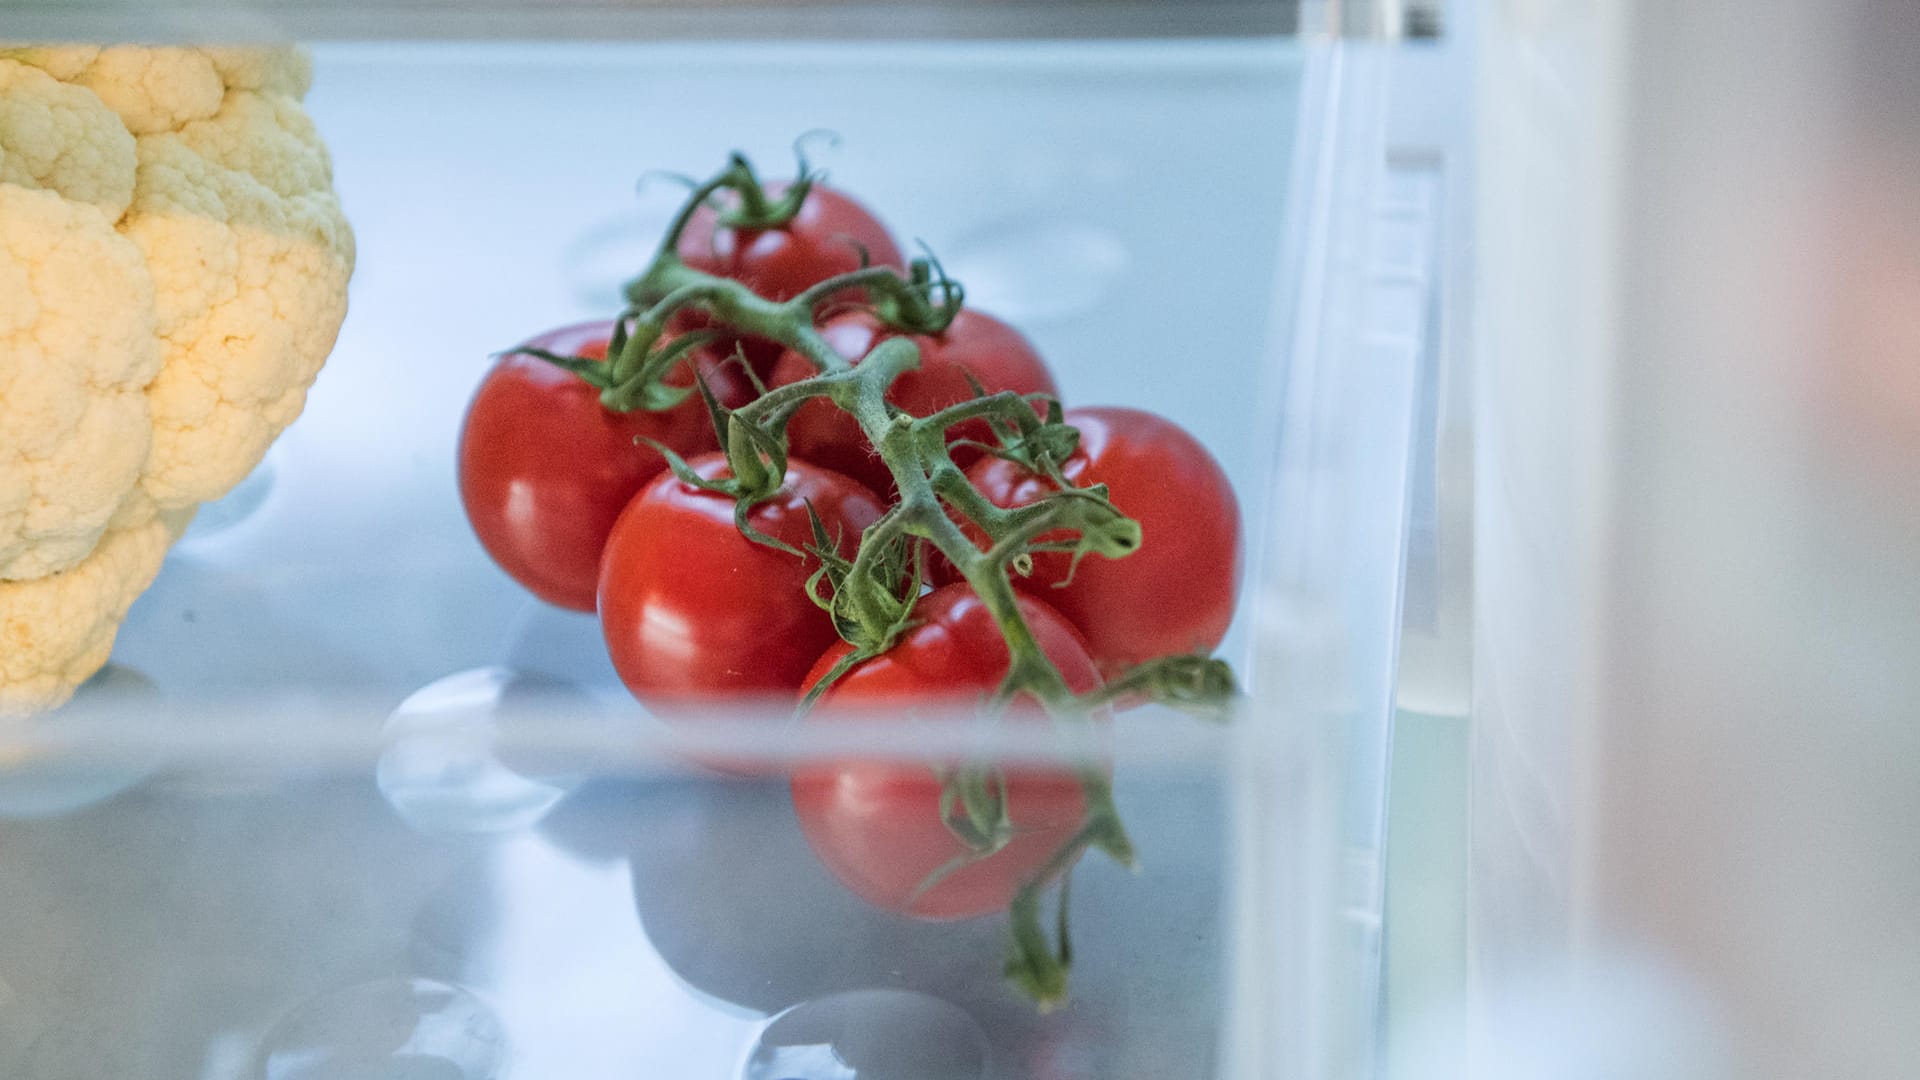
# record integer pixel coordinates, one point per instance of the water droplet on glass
(236, 506)
(391, 1029)
(870, 1035)
(801, 1063)
(440, 770)
(1037, 270)
(118, 696)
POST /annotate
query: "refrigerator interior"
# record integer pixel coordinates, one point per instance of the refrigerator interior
(349, 802)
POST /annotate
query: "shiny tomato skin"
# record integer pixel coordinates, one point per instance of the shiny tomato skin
(1176, 593)
(694, 613)
(822, 240)
(545, 469)
(876, 825)
(996, 354)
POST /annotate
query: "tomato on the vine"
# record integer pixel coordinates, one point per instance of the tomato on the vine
(995, 354)
(694, 612)
(1176, 593)
(877, 825)
(545, 469)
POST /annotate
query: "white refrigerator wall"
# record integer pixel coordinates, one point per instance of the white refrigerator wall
(1697, 766)
(1759, 757)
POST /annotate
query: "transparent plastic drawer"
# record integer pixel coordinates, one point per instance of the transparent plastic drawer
(349, 802)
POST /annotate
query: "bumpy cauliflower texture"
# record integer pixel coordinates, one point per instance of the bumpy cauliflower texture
(173, 272)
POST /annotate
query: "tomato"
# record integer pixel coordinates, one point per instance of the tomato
(823, 239)
(1176, 593)
(877, 825)
(694, 612)
(545, 469)
(994, 353)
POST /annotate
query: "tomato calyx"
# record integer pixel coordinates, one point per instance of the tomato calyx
(760, 482)
(913, 310)
(886, 593)
(633, 374)
(753, 207)
(975, 809)
(1201, 686)
(973, 806)
(1044, 449)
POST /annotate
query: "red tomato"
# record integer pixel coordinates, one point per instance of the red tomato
(995, 353)
(694, 612)
(545, 469)
(877, 825)
(1176, 593)
(822, 240)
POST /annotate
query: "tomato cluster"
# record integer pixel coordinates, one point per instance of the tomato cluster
(704, 599)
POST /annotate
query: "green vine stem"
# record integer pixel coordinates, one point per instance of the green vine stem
(871, 595)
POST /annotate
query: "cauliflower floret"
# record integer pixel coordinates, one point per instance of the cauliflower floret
(250, 258)
(62, 138)
(56, 631)
(287, 72)
(77, 351)
(173, 272)
(63, 62)
(153, 89)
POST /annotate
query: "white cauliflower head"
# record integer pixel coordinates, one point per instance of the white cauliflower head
(173, 272)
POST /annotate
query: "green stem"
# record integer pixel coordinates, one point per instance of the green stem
(769, 407)
(993, 405)
(1037, 965)
(919, 511)
(884, 278)
(728, 177)
(1201, 685)
(734, 305)
(1015, 538)
(953, 486)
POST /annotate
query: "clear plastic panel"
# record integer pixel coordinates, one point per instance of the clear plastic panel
(349, 802)
(457, 918)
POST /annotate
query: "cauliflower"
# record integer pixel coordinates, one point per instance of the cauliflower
(173, 272)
